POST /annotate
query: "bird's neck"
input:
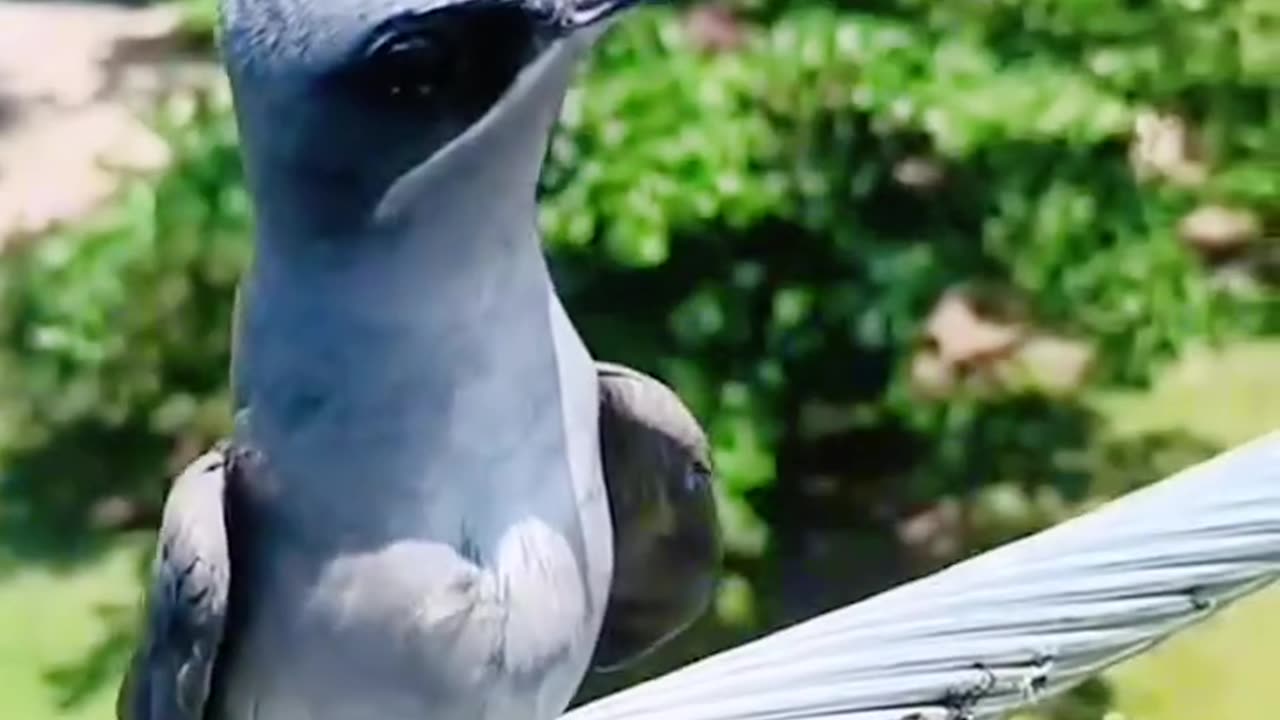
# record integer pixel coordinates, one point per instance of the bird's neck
(416, 375)
(404, 351)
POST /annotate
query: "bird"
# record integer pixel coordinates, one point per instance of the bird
(435, 503)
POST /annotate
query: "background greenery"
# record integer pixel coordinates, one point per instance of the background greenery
(915, 265)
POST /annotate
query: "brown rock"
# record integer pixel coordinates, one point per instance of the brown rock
(918, 173)
(1218, 229)
(962, 335)
(1164, 148)
(714, 28)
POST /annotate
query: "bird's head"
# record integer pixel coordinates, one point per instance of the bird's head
(357, 116)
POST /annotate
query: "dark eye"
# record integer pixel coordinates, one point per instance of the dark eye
(412, 62)
(412, 67)
(461, 56)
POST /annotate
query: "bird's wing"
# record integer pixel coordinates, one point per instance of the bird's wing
(169, 676)
(666, 539)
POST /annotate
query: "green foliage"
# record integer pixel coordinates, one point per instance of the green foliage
(118, 329)
(199, 20)
(745, 212)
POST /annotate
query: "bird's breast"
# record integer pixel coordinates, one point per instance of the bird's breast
(429, 562)
(418, 629)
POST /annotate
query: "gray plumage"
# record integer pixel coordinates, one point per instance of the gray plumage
(666, 548)
(172, 669)
(418, 525)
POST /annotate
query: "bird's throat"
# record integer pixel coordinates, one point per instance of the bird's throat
(428, 384)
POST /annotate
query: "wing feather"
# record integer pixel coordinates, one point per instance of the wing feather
(171, 671)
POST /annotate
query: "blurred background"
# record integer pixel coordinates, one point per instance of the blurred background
(934, 275)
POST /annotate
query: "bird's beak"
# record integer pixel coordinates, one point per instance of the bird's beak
(579, 14)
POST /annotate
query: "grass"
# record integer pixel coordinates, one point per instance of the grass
(65, 627)
(65, 633)
(1225, 668)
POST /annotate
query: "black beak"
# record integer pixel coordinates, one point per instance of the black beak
(589, 12)
(570, 15)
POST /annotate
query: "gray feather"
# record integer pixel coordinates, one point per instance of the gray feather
(170, 674)
(667, 551)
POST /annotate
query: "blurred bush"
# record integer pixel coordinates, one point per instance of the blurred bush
(881, 249)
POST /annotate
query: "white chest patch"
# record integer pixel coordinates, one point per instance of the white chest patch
(519, 614)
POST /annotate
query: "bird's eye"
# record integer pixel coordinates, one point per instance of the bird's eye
(411, 67)
(462, 57)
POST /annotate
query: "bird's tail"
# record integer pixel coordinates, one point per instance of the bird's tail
(1007, 628)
